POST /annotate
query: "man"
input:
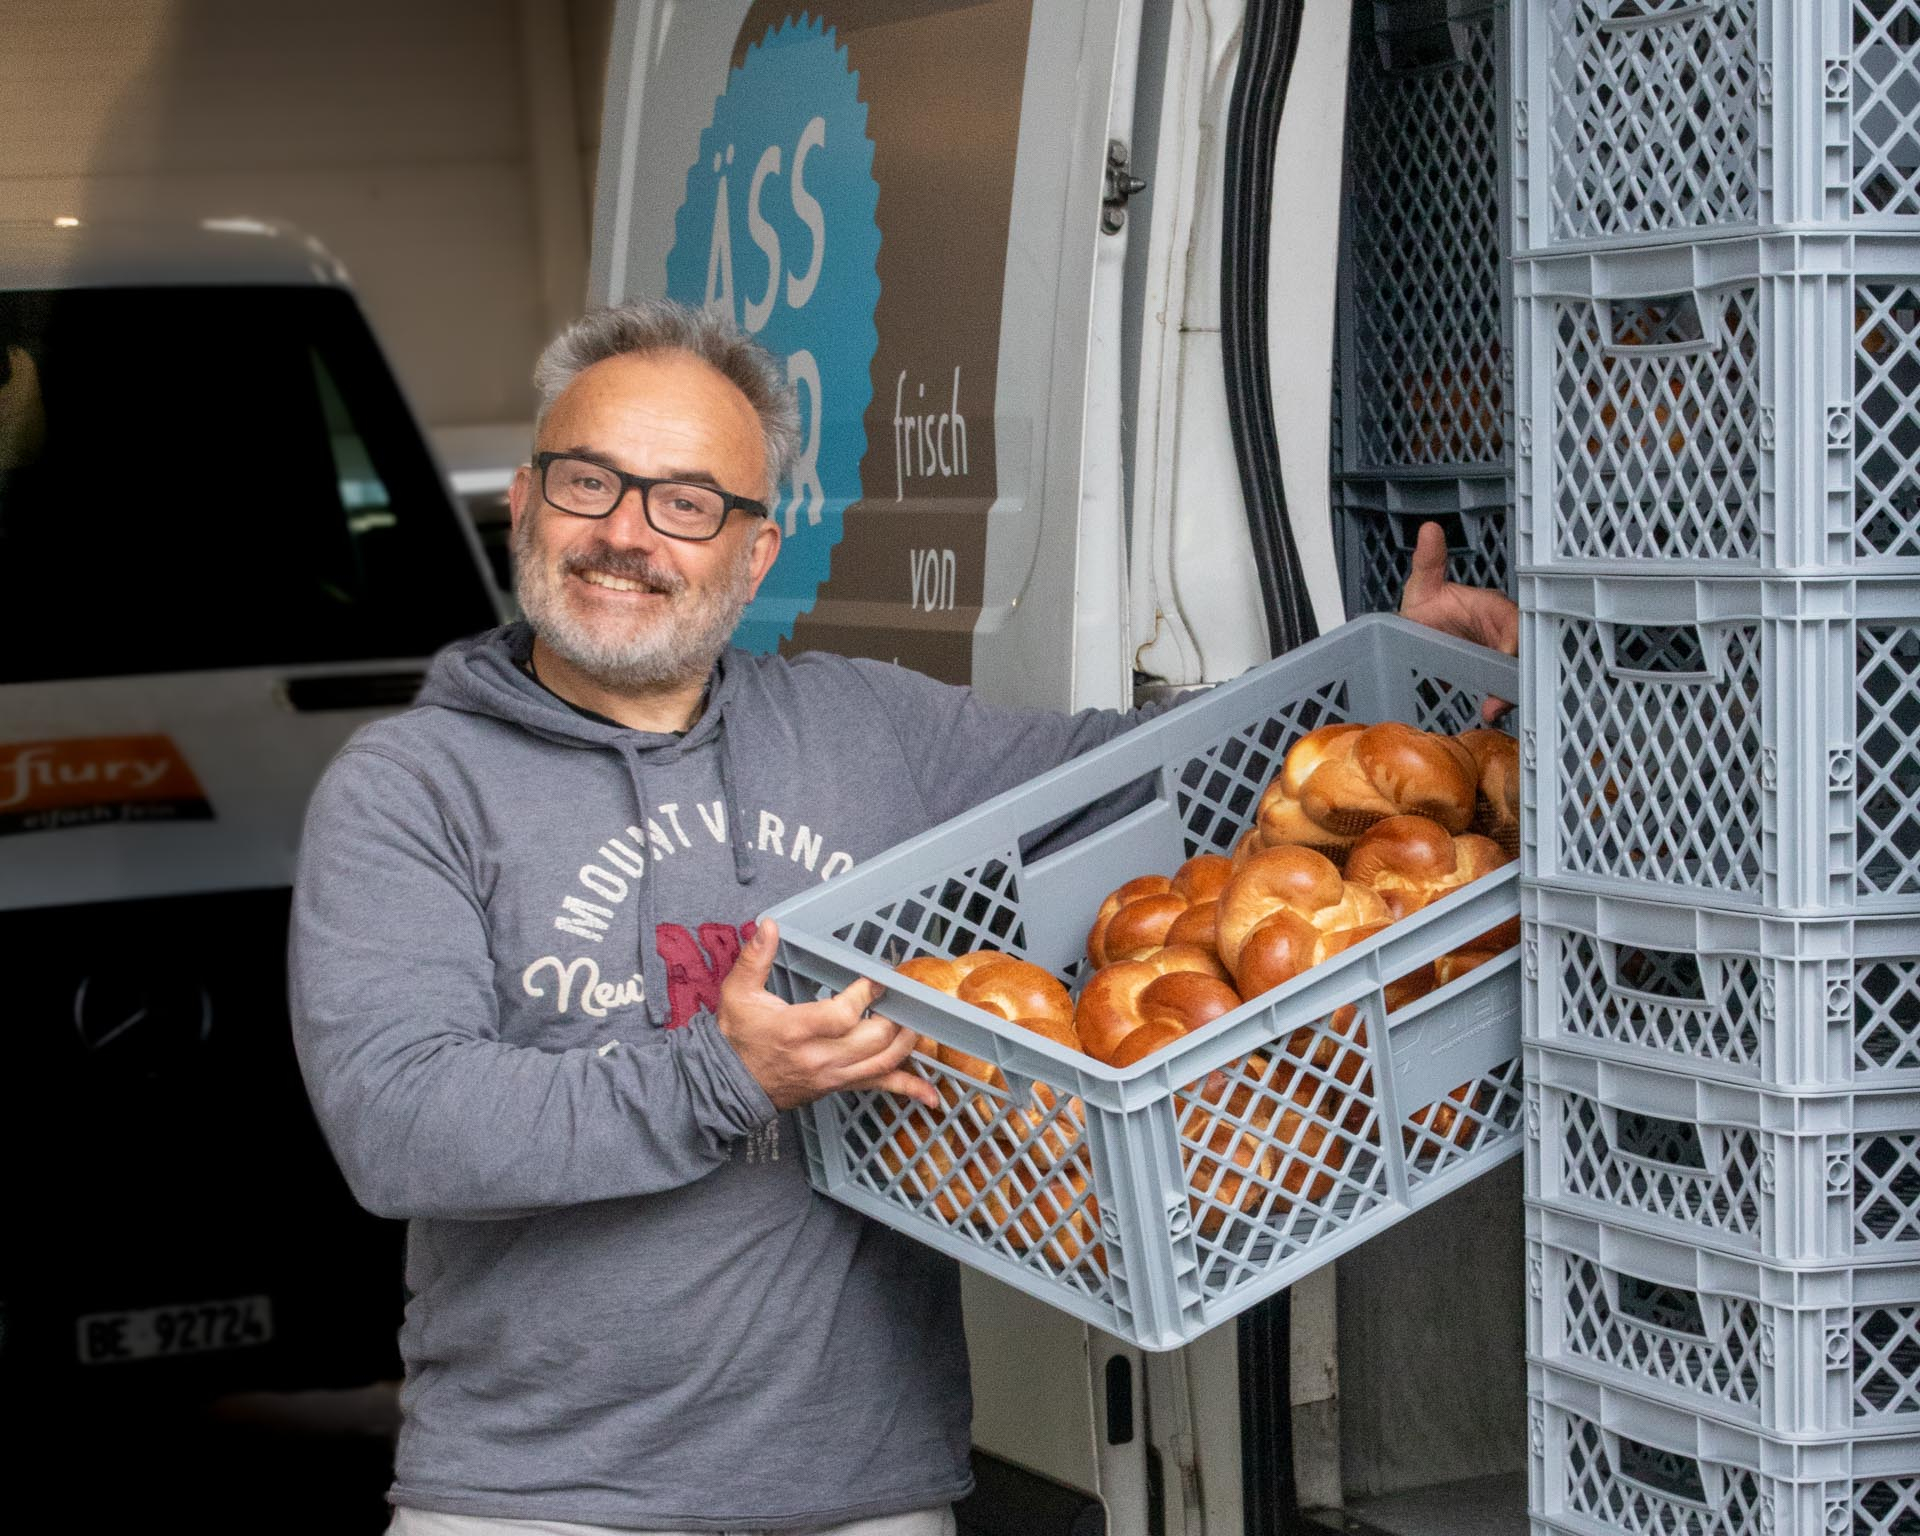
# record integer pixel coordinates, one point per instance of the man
(529, 997)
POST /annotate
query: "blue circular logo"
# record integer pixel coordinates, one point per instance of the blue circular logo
(778, 231)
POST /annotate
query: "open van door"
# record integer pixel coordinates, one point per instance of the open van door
(905, 202)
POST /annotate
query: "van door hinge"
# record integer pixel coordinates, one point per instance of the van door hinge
(1121, 185)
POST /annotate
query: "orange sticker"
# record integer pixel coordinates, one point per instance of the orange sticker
(47, 785)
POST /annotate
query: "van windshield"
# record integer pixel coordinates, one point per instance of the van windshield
(199, 478)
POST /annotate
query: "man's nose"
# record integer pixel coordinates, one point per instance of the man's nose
(627, 522)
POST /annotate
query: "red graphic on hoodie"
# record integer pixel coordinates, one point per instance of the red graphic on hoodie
(695, 968)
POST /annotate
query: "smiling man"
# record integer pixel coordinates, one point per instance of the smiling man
(529, 995)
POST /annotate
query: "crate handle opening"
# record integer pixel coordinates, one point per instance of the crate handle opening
(1637, 15)
(1654, 1139)
(1667, 1473)
(1682, 653)
(1670, 1308)
(1666, 976)
(1664, 325)
(1418, 50)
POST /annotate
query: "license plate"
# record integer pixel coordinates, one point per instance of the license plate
(108, 1337)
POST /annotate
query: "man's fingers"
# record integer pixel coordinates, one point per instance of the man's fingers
(1509, 627)
(1427, 573)
(862, 995)
(909, 1084)
(756, 955)
(880, 1053)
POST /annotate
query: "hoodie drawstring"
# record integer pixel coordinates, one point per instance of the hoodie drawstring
(653, 978)
(743, 867)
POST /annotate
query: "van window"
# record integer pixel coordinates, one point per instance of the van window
(198, 478)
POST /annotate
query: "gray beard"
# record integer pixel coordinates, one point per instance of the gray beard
(674, 648)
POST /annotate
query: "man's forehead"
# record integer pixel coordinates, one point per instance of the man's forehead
(671, 395)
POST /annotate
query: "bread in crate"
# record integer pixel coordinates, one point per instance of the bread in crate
(1196, 1151)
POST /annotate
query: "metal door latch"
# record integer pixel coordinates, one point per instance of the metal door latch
(1121, 185)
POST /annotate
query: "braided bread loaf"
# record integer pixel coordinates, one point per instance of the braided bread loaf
(1497, 802)
(1021, 1165)
(1340, 779)
(1413, 861)
(1156, 910)
(1287, 909)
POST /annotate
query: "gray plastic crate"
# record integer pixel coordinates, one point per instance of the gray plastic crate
(1639, 120)
(1744, 743)
(1818, 1353)
(1603, 1461)
(1744, 406)
(1786, 1179)
(1376, 521)
(1174, 1249)
(1423, 326)
(1782, 1003)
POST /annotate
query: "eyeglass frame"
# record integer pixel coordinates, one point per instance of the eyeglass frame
(644, 484)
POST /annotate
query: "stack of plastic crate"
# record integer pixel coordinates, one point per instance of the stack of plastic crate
(1717, 440)
(1423, 369)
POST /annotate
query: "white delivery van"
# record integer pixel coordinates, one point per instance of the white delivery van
(1056, 282)
(223, 547)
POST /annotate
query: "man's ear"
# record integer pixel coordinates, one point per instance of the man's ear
(766, 545)
(520, 495)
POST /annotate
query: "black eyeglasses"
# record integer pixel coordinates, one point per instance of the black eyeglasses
(679, 509)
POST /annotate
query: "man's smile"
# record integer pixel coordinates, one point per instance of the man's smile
(620, 584)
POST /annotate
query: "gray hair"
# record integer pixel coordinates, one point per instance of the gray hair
(641, 326)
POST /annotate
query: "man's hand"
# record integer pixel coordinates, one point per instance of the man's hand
(799, 1052)
(1473, 613)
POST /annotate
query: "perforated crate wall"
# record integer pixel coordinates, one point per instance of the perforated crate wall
(1741, 406)
(1637, 120)
(1377, 521)
(1422, 321)
(1158, 1200)
(1775, 1002)
(1603, 1461)
(1821, 1352)
(1810, 1179)
(1752, 744)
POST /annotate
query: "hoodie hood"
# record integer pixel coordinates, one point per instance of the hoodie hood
(487, 675)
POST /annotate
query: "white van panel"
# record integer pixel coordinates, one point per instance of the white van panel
(652, 122)
(1038, 582)
(253, 756)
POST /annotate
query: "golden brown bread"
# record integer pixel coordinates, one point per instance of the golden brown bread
(1137, 918)
(1261, 1152)
(1250, 843)
(1391, 769)
(1281, 821)
(1020, 1164)
(1285, 944)
(1477, 951)
(1129, 1010)
(1057, 1216)
(960, 1170)
(1413, 861)
(1311, 911)
(1008, 988)
(1340, 779)
(1149, 907)
(1445, 1119)
(1497, 802)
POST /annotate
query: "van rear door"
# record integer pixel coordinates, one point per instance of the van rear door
(904, 202)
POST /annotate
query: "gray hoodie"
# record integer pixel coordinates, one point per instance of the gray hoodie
(510, 924)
